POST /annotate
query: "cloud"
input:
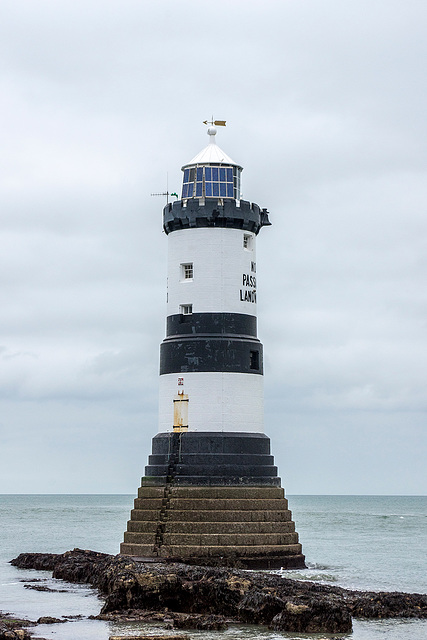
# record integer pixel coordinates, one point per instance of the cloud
(101, 105)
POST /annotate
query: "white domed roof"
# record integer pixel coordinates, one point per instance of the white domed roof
(212, 154)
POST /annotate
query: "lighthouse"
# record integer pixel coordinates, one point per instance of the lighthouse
(211, 493)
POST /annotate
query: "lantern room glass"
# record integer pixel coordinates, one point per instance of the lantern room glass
(211, 182)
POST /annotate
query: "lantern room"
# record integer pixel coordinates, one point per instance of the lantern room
(211, 174)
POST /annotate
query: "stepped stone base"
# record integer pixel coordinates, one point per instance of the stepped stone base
(250, 527)
(213, 498)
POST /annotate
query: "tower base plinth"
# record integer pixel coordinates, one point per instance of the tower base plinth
(189, 513)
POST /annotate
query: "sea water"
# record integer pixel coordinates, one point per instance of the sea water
(360, 542)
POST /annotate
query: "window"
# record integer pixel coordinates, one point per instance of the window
(187, 271)
(254, 360)
(211, 182)
(186, 309)
(247, 241)
(219, 181)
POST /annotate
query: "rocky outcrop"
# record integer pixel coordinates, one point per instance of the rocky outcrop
(14, 629)
(197, 593)
(315, 617)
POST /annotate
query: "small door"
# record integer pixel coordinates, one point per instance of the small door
(180, 412)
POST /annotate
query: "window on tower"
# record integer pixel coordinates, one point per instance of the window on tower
(186, 309)
(187, 271)
(254, 360)
(247, 241)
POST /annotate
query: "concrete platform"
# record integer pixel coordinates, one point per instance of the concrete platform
(242, 526)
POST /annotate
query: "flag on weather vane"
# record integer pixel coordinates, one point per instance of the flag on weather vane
(216, 123)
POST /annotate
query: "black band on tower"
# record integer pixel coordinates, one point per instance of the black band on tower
(233, 324)
(183, 355)
(212, 458)
(248, 216)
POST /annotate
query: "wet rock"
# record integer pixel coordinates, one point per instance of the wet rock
(388, 605)
(37, 587)
(136, 590)
(201, 623)
(14, 628)
(40, 561)
(33, 580)
(14, 634)
(49, 620)
(316, 617)
(156, 637)
(257, 606)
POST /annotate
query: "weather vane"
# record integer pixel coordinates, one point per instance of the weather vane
(215, 123)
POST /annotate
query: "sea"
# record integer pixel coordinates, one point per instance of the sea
(374, 543)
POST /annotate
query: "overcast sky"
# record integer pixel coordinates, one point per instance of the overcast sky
(101, 103)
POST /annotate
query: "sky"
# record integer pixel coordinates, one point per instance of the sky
(101, 103)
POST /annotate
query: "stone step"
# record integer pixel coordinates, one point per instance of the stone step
(223, 470)
(223, 539)
(211, 459)
(153, 481)
(259, 480)
(185, 481)
(142, 550)
(145, 514)
(140, 537)
(142, 526)
(151, 492)
(187, 551)
(148, 503)
(225, 526)
(221, 481)
(226, 504)
(213, 515)
(261, 493)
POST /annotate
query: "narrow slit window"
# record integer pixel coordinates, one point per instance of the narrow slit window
(247, 241)
(254, 360)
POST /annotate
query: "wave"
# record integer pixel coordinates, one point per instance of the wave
(314, 573)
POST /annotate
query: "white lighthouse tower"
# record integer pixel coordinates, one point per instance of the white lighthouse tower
(211, 491)
(211, 356)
